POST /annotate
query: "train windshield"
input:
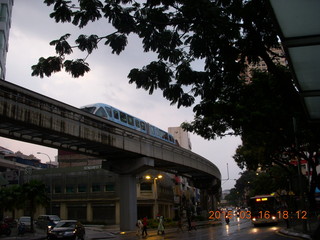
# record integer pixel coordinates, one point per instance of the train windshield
(89, 109)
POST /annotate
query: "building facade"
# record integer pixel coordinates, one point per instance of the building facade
(5, 24)
(91, 194)
(181, 136)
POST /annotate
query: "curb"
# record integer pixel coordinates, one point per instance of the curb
(295, 234)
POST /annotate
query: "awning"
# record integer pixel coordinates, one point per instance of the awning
(299, 24)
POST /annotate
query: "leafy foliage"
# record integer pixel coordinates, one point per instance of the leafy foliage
(29, 195)
(224, 36)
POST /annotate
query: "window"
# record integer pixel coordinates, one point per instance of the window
(130, 120)
(82, 188)
(137, 123)
(101, 113)
(152, 130)
(2, 40)
(48, 189)
(57, 189)
(123, 117)
(145, 186)
(89, 109)
(69, 189)
(96, 187)
(3, 12)
(143, 125)
(115, 114)
(108, 111)
(109, 187)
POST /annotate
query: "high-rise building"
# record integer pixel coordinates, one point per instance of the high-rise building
(5, 24)
(181, 136)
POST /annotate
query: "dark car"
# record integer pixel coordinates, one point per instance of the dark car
(45, 221)
(67, 229)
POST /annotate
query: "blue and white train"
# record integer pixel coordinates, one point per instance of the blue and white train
(120, 117)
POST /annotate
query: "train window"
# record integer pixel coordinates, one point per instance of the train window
(137, 123)
(123, 117)
(115, 114)
(152, 130)
(130, 120)
(143, 125)
(89, 109)
(108, 111)
(166, 136)
(157, 132)
(171, 138)
(102, 113)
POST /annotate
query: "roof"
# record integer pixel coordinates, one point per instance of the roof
(299, 29)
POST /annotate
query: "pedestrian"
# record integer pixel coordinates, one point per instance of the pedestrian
(144, 228)
(139, 226)
(160, 226)
(193, 223)
(180, 225)
(189, 223)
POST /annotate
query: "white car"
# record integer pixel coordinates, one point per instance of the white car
(26, 221)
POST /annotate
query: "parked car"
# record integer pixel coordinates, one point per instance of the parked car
(10, 221)
(45, 221)
(26, 221)
(67, 229)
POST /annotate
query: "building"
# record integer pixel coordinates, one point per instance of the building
(279, 59)
(5, 24)
(91, 194)
(181, 136)
(13, 164)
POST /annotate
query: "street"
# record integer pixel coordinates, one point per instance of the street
(236, 230)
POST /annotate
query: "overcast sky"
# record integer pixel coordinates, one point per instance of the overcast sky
(31, 31)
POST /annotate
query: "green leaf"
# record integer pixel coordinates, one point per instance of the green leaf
(87, 43)
(47, 66)
(62, 46)
(62, 11)
(117, 42)
(76, 67)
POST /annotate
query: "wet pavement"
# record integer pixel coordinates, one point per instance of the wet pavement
(236, 230)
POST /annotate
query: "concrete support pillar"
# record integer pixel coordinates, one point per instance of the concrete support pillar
(117, 212)
(89, 212)
(63, 211)
(128, 202)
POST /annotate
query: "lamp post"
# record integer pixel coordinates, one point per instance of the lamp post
(50, 172)
(155, 192)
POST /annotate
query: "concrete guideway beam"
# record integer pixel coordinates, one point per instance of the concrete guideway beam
(129, 166)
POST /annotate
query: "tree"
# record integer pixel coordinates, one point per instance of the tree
(224, 35)
(33, 193)
(10, 198)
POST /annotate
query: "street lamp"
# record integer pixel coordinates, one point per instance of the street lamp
(51, 190)
(155, 193)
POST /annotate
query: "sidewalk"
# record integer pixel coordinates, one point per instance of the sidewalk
(297, 230)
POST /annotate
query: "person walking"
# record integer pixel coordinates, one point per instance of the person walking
(160, 225)
(193, 223)
(145, 225)
(139, 227)
(180, 224)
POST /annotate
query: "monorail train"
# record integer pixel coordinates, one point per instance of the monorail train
(120, 117)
